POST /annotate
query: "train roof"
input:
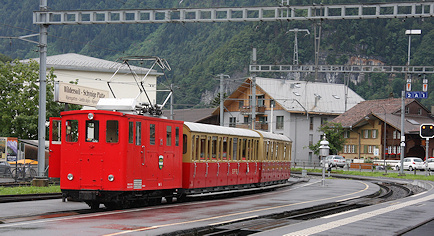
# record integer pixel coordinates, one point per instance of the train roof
(214, 129)
(268, 135)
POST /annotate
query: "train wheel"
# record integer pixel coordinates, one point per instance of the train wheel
(112, 205)
(169, 199)
(94, 205)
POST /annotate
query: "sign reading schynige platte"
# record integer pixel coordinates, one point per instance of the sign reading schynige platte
(75, 94)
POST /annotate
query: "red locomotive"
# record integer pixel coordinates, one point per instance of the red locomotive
(121, 159)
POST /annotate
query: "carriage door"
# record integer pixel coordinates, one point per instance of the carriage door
(55, 144)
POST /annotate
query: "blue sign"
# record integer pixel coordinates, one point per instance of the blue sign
(416, 94)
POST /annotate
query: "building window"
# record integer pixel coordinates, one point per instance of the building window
(419, 112)
(246, 119)
(374, 133)
(279, 122)
(346, 134)
(232, 121)
(407, 110)
(323, 120)
(261, 100)
(366, 133)
(396, 134)
(272, 103)
(311, 123)
(240, 104)
(310, 139)
(349, 148)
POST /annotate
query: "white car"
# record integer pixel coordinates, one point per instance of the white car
(429, 164)
(334, 161)
(411, 163)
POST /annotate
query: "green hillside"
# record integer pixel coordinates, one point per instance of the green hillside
(198, 52)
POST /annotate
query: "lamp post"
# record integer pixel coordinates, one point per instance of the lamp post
(323, 151)
(409, 33)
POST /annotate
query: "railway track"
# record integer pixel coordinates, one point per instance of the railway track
(29, 197)
(388, 191)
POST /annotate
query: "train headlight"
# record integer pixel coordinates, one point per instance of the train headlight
(90, 116)
(111, 178)
(70, 176)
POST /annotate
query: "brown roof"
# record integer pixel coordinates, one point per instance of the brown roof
(388, 110)
(191, 115)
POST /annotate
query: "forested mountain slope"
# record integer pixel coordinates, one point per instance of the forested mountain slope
(198, 52)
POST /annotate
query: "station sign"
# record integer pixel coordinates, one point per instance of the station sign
(80, 95)
(416, 94)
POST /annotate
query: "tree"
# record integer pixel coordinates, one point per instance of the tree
(19, 99)
(334, 133)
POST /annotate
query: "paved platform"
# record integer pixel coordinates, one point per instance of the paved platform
(397, 217)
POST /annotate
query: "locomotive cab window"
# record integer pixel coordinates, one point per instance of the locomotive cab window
(138, 133)
(112, 131)
(92, 131)
(131, 132)
(168, 135)
(152, 134)
(71, 130)
(55, 133)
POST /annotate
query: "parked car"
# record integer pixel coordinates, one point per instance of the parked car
(334, 161)
(411, 163)
(5, 169)
(429, 164)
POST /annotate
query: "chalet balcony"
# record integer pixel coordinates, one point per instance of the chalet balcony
(259, 126)
(248, 110)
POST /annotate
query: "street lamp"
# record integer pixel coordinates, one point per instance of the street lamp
(409, 33)
(323, 151)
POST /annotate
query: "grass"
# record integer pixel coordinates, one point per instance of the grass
(373, 174)
(28, 190)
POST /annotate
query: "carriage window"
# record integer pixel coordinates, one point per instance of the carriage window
(202, 147)
(214, 147)
(71, 130)
(169, 135)
(184, 145)
(177, 136)
(55, 132)
(243, 149)
(235, 147)
(138, 133)
(112, 133)
(225, 147)
(152, 134)
(131, 132)
(92, 131)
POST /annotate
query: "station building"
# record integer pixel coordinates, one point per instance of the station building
(295, 109)
(366, 123)
(95, 73)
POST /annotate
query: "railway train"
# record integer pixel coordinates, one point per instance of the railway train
(121, 159)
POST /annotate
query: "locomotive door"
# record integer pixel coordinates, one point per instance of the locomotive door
(92, 152)
(55, 144)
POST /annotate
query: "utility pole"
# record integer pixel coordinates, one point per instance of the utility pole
(253, 105)
(43, 29)
(221, 78)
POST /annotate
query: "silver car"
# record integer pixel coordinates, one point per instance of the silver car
(334, 161)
